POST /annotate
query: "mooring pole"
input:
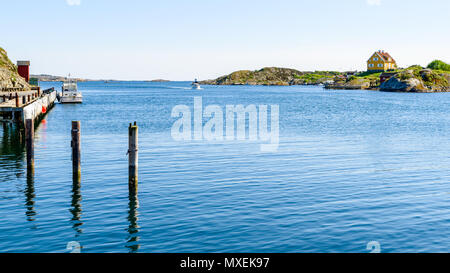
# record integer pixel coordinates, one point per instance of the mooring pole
(133, 158)
(76, 149)
(29, 140)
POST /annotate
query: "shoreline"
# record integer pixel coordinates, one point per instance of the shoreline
(331, 87)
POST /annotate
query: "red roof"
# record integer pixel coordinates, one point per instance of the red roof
(386, 57)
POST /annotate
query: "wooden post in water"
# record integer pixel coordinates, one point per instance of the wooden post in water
(76, 149)
(133, 158)
(29, 140)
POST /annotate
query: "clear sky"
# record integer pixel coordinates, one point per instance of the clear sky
(182, 40)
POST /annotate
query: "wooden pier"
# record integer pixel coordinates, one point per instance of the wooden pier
(18, 106)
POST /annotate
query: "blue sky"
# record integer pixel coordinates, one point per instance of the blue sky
(182, 40)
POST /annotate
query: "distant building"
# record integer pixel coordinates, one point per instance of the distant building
(349, 74)
(381, 61)
(338, 78)
(23, 67)
(34, 81)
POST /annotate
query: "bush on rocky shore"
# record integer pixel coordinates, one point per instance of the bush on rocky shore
(439, 65)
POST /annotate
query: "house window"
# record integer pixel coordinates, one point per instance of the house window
(375, 59)
(370, 65)
(380, 65)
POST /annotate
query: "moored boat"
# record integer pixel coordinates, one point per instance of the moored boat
(70, 93)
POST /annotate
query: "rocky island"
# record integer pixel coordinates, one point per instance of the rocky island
(434, 78)
(52, 78)
(273, 76)
(158, 80)
(418, 79)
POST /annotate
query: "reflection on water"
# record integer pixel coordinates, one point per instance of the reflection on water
(29, 198)
(12, 150)
(352, 167)
(133, 227)
(12, 154)
(76, 206)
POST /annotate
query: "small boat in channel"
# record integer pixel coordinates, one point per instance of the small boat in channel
(70, 93)
(196, 85)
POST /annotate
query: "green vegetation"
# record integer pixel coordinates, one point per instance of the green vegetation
(418, 79)
(416, 71)
(369, 75)
(427, 80)
(5, 62)
(415, 67)
(405, 76)
(352, 78)
(315, 77)
(433, 78)
(9, 78)
(439, 65)
(265, 76)
(34, 81)
(328, 73)
(412, 79)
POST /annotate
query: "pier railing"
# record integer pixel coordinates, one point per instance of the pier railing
(19, 99)
(19, 106)
(12, 89)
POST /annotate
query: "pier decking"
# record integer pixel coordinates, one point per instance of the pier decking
(16, 107)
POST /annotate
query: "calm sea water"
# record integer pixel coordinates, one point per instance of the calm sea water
(352, 167)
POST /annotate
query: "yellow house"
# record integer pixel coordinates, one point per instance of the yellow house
(381, 61)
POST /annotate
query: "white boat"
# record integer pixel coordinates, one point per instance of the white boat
(70, 93)
(196, 85)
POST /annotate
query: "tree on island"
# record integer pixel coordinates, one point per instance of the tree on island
(439, 65)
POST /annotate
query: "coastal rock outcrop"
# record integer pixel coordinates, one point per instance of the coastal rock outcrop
(412, 79)
(265, 76)
(417, 80)
(273, 76)
(405, 85)
(9, 78)
(351, 83)
(358, 83)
